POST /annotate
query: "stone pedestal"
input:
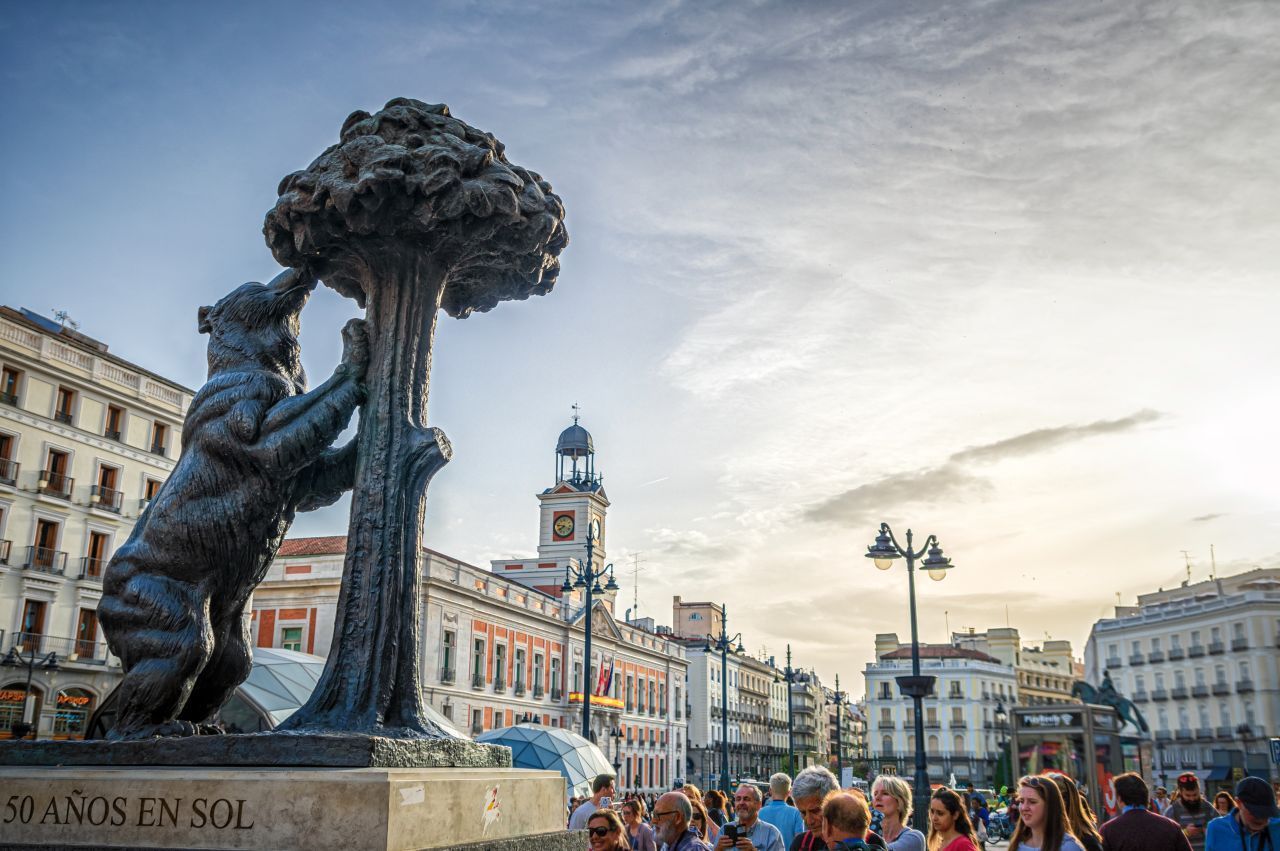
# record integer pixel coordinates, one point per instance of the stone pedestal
(353, 809)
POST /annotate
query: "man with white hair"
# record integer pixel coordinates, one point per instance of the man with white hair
(782, 815)
(672, 814)
(749, 833)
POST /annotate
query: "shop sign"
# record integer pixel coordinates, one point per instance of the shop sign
(1050, 720)
(73, 700)
(12, 696)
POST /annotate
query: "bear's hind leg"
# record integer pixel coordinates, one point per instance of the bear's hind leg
(160, 630)
(227, 668)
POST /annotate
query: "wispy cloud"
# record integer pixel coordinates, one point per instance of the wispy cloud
(1205, 518)
(951, 481)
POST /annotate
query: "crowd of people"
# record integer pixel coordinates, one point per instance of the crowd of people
(1047, 812)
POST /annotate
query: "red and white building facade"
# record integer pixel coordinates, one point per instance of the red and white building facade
(503, 644)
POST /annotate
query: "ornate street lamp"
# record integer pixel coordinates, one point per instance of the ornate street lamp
(1002, 724)
(883, 552)
(789, 676)
(617, 751)
(586, 577)
(723, 643)
(840, 700)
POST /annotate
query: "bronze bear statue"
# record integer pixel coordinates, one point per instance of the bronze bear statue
(256, 448)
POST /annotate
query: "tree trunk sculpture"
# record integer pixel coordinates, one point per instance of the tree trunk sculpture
(411, 212)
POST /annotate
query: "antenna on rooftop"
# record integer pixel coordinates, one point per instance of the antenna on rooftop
(1213, 564)
(65, 320)
(635, 583)
(577, 412)
(1186, 555)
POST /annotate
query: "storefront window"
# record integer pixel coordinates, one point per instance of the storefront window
(12, 699)
(75, 705)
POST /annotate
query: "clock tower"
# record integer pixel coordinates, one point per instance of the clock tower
(572, 507)
(576, 504)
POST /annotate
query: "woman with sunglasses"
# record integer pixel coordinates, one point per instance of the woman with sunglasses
(1042, 822)
(606, 831)
(639, 834)
(704, 823)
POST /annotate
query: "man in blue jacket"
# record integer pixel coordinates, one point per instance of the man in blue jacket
(1255, 824)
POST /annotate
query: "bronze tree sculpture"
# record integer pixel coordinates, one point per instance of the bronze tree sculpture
(413, 211)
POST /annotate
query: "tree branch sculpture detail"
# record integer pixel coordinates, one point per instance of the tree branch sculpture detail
(413, 211)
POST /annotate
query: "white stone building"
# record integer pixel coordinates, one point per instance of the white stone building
(1045, 673)
(86, 438)
(1202, 662)
(959, 719)
(505, 644)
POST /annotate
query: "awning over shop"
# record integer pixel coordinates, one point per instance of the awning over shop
(1219, 773)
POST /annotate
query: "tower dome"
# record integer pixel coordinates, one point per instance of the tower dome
(575, 442)
(576, 456)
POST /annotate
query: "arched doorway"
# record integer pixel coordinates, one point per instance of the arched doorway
(72, 716)
(13, 698)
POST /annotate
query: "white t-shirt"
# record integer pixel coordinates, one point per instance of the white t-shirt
(909, 840)
(585, 810)
(1068, 844)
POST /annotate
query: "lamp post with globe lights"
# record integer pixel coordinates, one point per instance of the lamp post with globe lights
(884, 552)
(587, 577)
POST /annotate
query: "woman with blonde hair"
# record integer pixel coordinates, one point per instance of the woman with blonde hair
(1042, 821)
(701, 822)
(891, 796)
(1080, 821)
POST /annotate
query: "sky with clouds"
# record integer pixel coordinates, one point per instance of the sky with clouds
(1000, 271)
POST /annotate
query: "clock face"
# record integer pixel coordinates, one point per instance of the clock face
(563, 526)
(595, 529)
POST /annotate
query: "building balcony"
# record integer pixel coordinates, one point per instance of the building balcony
(46, 560)
(1159, 694)
(1225, 732)
(448, 675)
(932, 725)
(477, 729)
(1238, 644)
(63, 417)
(1222, 688)
(1164, 735)
(1216, 648)
(55, 484)
(959, 725)
(157, 449)
(519, 690)
(68, 650)
(1184, 734)
(113, 434)
(555, 692)
(477, 680)
(91, 568)
(1155, 656)
(1176, 653)
(1199, 691)
(1195, 651)
(5, 547)
(1178, 692)
(1204, 733)
(1244, 686)
(9, 472)
(10, 399)
(538, 691)
(1137, 659)
(499, 685)
(1141, 696)
(1114, 662)
(108, 499)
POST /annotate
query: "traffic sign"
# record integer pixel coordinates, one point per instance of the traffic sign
(1275, 751)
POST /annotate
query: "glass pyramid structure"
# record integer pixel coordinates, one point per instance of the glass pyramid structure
(553, 748)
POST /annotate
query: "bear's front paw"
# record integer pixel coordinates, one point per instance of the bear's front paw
(355, 348)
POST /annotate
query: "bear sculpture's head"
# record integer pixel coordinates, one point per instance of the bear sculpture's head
(255, 327)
